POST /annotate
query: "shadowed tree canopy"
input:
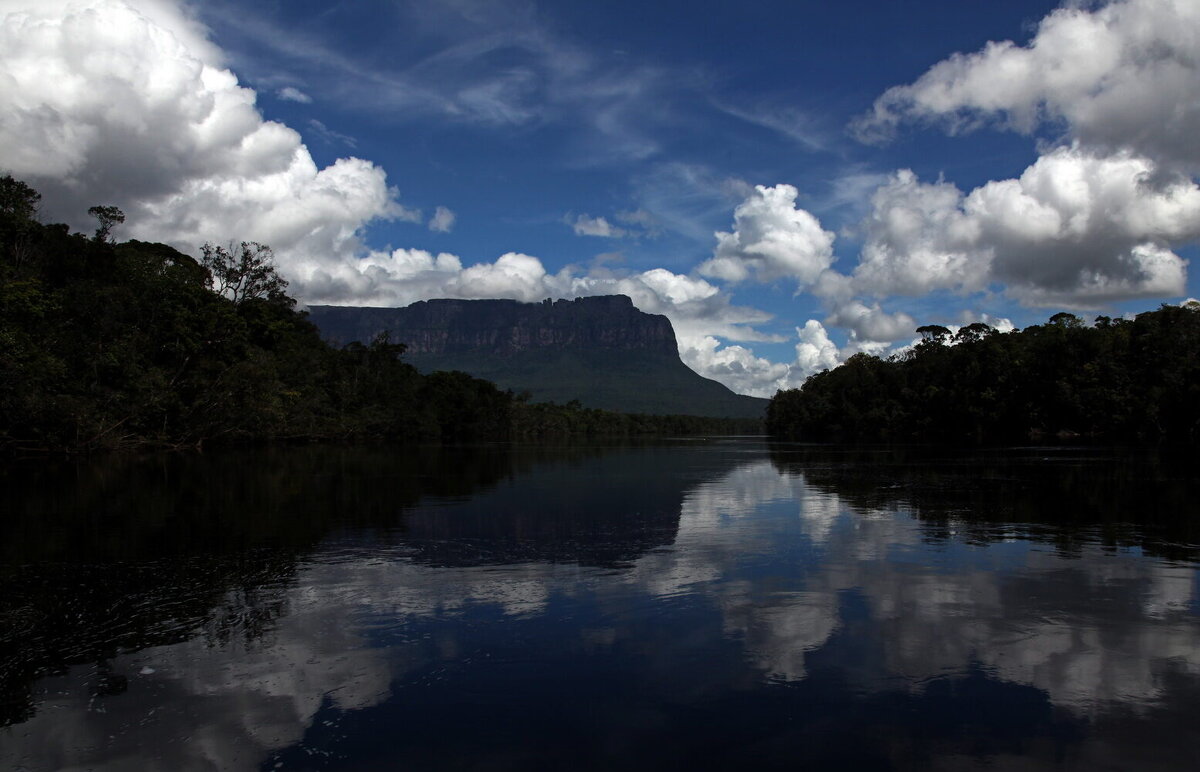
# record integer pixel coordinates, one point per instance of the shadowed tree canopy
(1065, 319)
(244, 272)
(107, 218)
(933, 333)
(18, 201)
(973, 332)
(107, 345)
(1122, 380)
(18, 212)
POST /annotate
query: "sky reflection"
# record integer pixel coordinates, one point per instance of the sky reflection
(746, 594)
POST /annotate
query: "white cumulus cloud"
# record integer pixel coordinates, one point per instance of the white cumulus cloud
(772, 239)
(126, 102)
(918, 240)
(815, 351)
(741, 370)
(735, 366)
(1122, 75)
(1076, 229)
(1096, 219)
(871, 323)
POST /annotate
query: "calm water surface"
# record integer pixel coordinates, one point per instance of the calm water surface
(704, 604)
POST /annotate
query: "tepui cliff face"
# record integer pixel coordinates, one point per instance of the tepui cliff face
(601, 351)
(502, 327)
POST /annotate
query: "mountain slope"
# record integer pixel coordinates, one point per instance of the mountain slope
(601, 351)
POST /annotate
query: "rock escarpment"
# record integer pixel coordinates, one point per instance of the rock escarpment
(601, 351)
(502, 327)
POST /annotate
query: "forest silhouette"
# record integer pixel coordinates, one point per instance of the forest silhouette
(109, 345)
(1119, 380)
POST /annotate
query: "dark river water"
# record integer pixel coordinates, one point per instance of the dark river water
(710, 604)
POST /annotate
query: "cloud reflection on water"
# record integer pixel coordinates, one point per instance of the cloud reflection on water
(791, 574)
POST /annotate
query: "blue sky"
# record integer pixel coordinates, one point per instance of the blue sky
(789, 182)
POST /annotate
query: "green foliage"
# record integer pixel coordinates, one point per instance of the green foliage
(18, 201)
(107, 217)
(108, 345)
(1121, 380)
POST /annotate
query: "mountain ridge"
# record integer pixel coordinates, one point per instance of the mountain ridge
(601, 351)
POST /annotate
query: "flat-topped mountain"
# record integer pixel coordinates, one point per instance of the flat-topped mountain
(601, 351)
(502, 327)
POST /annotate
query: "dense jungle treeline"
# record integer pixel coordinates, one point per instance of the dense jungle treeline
(107, 345)
(1122, 380)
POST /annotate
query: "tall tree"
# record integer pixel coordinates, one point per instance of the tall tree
(243, 273)
(107, 217)
(18, 201)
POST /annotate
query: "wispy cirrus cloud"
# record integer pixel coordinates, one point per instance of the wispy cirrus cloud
(497, 66)
(805, 129)
(689, 199)
(330, 136)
